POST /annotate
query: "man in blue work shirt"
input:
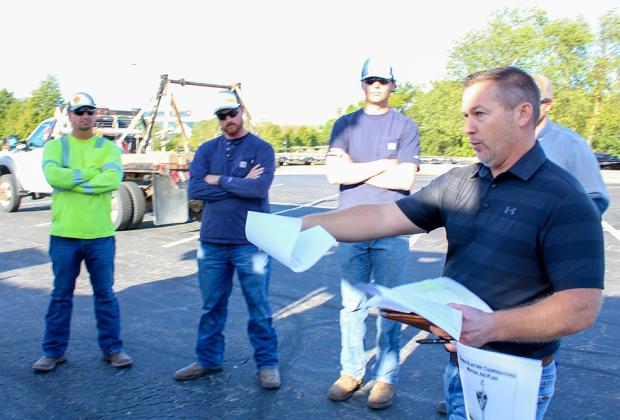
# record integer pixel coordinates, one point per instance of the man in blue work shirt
(232, 174)
(568, 149)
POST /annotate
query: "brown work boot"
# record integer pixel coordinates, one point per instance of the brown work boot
(118, 359)
(381, 396)
(343, 388)
(269, 378)
(194, 371)
(46, 364)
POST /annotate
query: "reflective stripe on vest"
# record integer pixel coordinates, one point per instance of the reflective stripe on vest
(64, 143)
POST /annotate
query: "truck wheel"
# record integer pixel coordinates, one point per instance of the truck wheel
(138, 204)
(9, 199)
(121, 208)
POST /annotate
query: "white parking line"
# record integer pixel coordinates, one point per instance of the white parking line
(609, 228)
(43, 224)
(311, 300)
(181, 241)
(411, 345)
(276, 185)
(310, 204)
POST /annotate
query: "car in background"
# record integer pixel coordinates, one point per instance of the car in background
(608, 161)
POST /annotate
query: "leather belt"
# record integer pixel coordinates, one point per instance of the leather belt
(546, 361)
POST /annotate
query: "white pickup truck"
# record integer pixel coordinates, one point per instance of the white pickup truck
(20, 169)
(159, 178)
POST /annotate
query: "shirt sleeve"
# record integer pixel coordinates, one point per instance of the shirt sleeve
(198, 188)
(257, 187)
(585, 168)
(431, 207)
(338, 139)
(108, 177)
(59, 176)
(409, 148)
(572, 245)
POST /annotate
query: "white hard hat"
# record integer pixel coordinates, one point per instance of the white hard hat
(81, 100)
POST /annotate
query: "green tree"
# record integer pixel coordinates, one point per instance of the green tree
(325, 132)
(582, 66)
(6, 99)
(15, 122)
(41, 105)
(271, 133)
(438, 115)
(204, 130)
(402, 98)
(603, 131)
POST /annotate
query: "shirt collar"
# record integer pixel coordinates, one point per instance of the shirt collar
(545, 129)
(524, 168)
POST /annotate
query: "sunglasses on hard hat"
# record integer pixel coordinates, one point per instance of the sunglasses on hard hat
(80, 112)
(372, 80)
(222, 115)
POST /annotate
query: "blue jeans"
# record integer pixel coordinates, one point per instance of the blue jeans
(216, 265)
(455, 404)
(67, 255)
(385, 261)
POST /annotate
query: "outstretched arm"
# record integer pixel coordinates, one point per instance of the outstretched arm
(363, 223)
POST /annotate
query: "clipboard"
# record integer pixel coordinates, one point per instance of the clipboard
(408, 318)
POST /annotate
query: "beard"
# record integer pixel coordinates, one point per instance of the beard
(232, 129)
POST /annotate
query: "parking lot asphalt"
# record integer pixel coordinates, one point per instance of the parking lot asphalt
(160, 304)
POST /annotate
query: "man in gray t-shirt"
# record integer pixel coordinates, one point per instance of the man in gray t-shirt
(566, 148)
(374, 156)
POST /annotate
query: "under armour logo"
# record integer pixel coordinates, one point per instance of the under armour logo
(510, 210)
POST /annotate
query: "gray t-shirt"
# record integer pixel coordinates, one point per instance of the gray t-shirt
(367, 138)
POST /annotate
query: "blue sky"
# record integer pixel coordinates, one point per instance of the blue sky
(298, 62)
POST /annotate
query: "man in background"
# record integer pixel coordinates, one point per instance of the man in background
(83, 169)
(232, 175)
(568, 149)
(374, 156)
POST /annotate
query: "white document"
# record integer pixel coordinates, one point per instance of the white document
(282, 238)
(498, 386)
(429, 299)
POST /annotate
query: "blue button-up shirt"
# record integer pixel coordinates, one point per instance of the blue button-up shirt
(566, 148)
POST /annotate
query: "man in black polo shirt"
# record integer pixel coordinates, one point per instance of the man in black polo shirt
(522, 233)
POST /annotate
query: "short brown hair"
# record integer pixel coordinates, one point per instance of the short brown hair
(515, 86)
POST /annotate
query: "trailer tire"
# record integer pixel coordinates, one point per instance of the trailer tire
(138, 204)
(9, 198)
(121, 208)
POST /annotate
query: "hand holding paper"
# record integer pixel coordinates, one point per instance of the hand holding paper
(429, 299)
(282, 238)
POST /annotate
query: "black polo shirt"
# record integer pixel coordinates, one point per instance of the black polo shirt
(524, 235)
